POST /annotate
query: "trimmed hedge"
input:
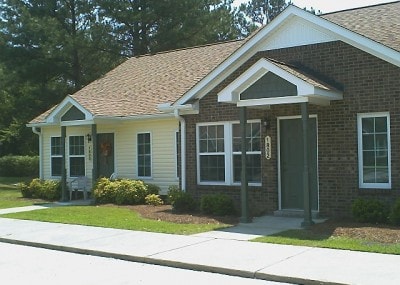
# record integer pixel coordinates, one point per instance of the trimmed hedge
(217, 204)
(41, 189)
(370, 211)
(120, 192)
(19, 166)
(181, 202)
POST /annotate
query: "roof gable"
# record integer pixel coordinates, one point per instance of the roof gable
(273, 36)
(69, 112)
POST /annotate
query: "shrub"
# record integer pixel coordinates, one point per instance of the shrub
(217, 204)
(121, 192)
(104, 191)
(153, 189)
(173, 193)
(19, 166)
(153, 199)
(42, 189)
(183, 202)
(370, 211)
(394, 216)
(50, 190)
(26, 191)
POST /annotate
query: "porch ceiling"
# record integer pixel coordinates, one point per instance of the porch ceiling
(309, 89)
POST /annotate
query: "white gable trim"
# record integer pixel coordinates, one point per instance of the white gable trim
(55, 116)
(231, 93)
(258, 42)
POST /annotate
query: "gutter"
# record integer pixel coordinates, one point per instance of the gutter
(38, 131)
(183, 148)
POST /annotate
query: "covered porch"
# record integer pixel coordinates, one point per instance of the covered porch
(271, 83)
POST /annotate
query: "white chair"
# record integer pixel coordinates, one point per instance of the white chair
(79, 184)
(113, 176)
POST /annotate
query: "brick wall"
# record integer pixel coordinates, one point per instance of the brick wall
(369, 85)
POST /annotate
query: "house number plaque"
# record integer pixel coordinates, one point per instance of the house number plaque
(268, 147)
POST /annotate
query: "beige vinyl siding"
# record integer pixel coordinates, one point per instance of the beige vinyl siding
(163, 150)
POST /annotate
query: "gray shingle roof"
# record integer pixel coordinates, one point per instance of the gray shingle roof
(380, 23)
(138, 85)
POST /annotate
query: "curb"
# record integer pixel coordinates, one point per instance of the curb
(170, 263)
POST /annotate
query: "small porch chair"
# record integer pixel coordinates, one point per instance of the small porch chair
(79, 184)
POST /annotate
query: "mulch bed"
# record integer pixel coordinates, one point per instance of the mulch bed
(166, 214)
(368, 232)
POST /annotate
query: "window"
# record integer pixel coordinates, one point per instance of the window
(76, 156)
(56, 156)
(211, 151)
(144, 154)
(219, 153)
(253, 151)
(374, 150)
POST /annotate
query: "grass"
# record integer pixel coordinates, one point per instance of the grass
(111, 217)
(10, 196)
(306, 238)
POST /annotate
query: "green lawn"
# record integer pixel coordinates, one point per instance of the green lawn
(10, 196)
(305, 238)
(111, 217)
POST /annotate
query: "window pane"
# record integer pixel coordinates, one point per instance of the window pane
(77, 166)
(253, 168)
(369, 175)
(76, 145)
(211, 138)
(368, 125)
(369, 158)
(212, 168)
(56, 166)
(382, 175)
(381, 125)
(56, 146)
(368, 142)
(381, 141)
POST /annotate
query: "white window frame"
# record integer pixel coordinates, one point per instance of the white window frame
(247, 152)
(54, 156)
(76, 155)
(228, 153)
(151, 155)
(387, 185)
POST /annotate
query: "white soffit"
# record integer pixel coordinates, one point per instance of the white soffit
(296, 32)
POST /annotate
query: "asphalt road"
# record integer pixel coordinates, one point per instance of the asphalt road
(29, 265)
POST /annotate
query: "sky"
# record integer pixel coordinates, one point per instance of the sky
(326, 6)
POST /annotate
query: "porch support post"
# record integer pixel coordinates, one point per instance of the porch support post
(95, 174)
(64, 196)
(244, 185)
(306, 183)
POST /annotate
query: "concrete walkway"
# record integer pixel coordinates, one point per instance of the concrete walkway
(224, 252)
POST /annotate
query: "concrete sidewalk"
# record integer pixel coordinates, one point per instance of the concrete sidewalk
(210, 253)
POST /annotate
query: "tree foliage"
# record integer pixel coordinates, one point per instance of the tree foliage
(51, 48)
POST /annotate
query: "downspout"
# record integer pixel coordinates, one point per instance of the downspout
(183, 148)
(38, 131)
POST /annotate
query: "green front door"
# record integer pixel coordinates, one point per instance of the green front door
(291, 163)
(105, 154)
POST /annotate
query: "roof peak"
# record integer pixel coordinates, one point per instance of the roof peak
(358, 8)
